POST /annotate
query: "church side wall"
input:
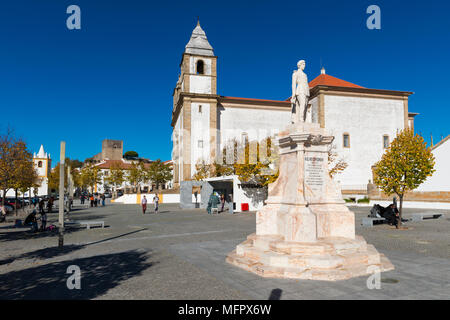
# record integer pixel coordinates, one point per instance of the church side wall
(257, 123)
(366, 120)
(200, 133)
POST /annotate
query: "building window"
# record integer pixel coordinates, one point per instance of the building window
(346, 140)
(244, 138)
(200, 109)
(200, 67)
(200, 144)
(385, 141)
(40, 164)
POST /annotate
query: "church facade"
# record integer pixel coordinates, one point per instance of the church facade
(363, 121)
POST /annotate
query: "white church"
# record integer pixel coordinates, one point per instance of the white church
(203, 120)
(43, 164)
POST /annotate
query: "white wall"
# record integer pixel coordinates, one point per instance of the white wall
(257, 123)
(440, 180)
(166, 198)
(200, 83)
(366, 120)
(200, 132)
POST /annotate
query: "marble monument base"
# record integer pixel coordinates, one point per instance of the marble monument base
(305, 231)
(326, 259)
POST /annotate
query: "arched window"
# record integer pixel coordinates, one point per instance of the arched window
(200, 67)
(346, 140)
(40, 164)
(385, 141)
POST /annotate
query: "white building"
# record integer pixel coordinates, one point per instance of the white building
(42, 163)
(440, 180)
(363, 120)
(105, 166)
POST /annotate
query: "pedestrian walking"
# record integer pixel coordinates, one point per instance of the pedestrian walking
(156, 201)
(50, 205)
(43, 221)
(144, 204)
(41, 206)
(92, 200)
(222, 201)
(103, 199)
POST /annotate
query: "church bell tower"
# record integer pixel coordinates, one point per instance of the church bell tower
(194, 115)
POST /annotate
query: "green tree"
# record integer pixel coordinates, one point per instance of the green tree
(16, 167)
(75, 170)
(130, 154)
(246, 161)
(136, 174)
(90, 177)
(7, 158)
(159, 172)
(116, 176)
(255, 167)
(28, 179)
(404, 166)
(24, 173)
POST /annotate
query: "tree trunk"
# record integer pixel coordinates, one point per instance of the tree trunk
(15, 207)
(400, 210)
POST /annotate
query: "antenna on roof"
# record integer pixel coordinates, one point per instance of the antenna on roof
(432, 139)
(322, 69)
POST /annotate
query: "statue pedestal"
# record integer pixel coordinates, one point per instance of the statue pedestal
(305, 231)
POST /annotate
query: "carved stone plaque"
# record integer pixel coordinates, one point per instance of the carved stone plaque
(315, 170)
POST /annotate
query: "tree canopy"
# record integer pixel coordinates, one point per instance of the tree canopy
(130, 154)
(404, 166)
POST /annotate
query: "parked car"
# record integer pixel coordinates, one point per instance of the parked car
(12, 202)
(119, 193)
(9, 208)
(108, 195)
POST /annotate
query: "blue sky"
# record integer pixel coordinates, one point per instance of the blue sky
(114, 77)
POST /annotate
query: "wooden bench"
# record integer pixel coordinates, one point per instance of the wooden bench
(368, 222)
(86, 223)
(421, 216)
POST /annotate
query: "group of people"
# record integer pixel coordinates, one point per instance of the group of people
(32, 220)
(214, 201)
(43, 204)
(95, 199)
(144, 203)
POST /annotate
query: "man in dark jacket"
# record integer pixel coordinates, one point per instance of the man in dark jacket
(391, 215)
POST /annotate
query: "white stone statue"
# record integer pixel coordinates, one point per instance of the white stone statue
(300, 94)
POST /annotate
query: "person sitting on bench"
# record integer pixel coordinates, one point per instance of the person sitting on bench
(31, 220)
(391, 214)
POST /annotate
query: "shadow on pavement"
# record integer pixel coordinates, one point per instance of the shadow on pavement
(275, 294)
(98, 275)
(25, 234)
(52, 252)
(45, 253)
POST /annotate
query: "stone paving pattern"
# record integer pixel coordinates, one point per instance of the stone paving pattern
(180, 254)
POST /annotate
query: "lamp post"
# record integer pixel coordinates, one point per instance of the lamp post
(61, 194)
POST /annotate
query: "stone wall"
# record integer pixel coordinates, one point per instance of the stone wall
(427, 196)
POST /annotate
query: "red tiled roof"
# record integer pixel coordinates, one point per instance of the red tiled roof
(327, 80)
(250, 99)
